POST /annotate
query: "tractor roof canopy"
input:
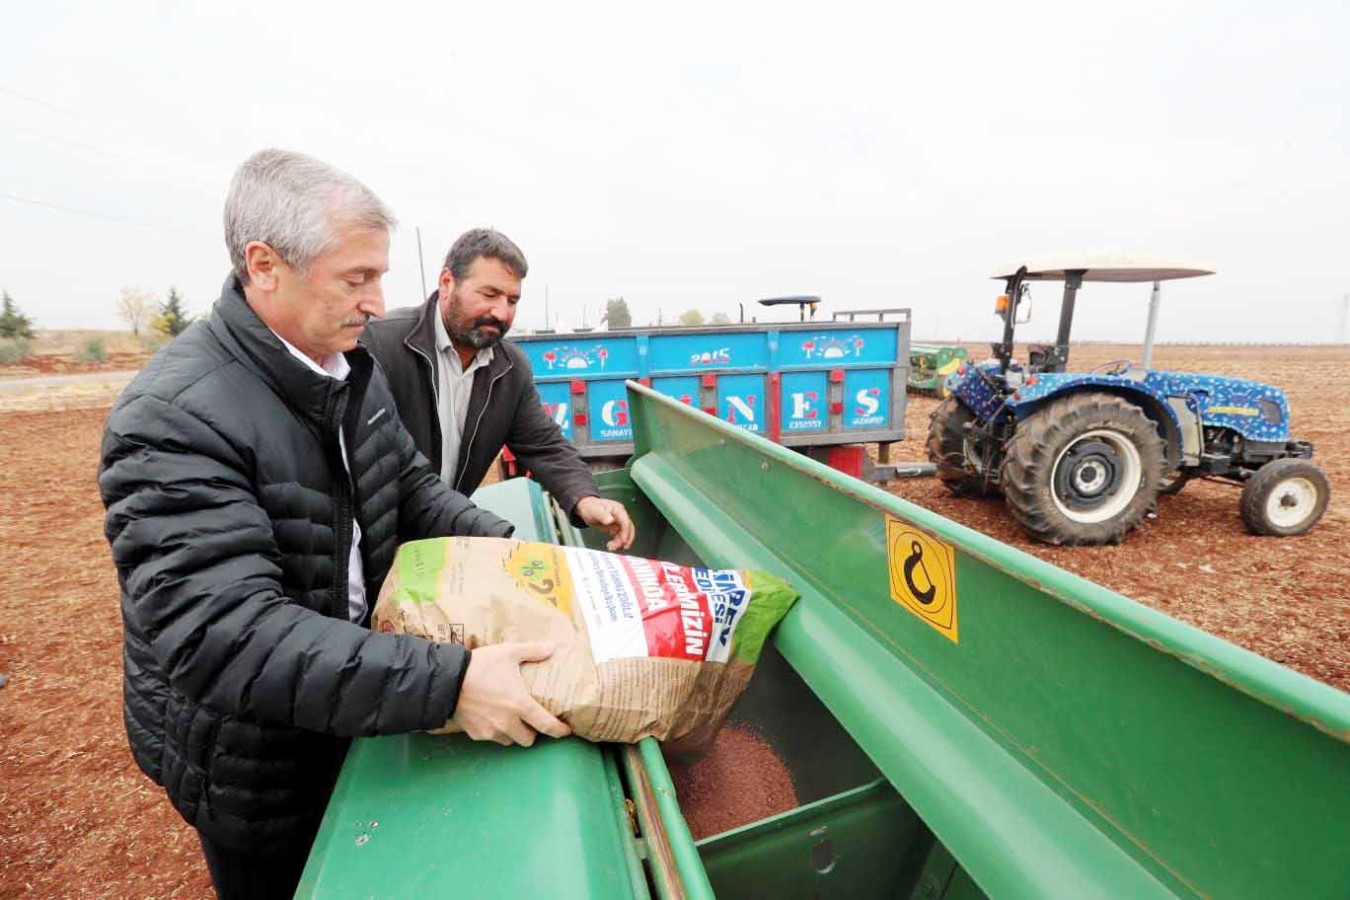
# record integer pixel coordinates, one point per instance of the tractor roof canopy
(796, 298)
(1119, 267)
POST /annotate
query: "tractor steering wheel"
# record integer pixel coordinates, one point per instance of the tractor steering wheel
(1113, 367)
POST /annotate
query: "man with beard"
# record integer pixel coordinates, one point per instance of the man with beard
(463, 394)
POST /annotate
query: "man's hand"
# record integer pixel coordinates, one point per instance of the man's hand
(610, 516)
(493, 702)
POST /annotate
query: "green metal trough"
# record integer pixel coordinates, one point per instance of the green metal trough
(960, 720)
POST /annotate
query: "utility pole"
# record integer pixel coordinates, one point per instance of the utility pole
(421, 266)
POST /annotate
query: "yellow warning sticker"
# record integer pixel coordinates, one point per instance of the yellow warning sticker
(923, 575)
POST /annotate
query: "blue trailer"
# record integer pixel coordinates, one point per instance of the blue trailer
(823, 388)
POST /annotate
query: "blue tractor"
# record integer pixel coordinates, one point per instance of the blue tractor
(1081, 457)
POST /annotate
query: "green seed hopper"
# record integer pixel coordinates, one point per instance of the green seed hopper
(930, 364)
(960, 720)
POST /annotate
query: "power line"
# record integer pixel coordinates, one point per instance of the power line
(5, 195)
(79, 117)
(71, 113)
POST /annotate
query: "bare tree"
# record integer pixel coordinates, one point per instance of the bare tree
(137, 308)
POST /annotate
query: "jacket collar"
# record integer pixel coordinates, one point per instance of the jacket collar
(422, 337)
(249, 339)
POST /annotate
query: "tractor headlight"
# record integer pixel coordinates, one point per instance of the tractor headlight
(1270, 411)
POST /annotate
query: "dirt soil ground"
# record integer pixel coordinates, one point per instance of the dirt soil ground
(60, 364)
(79, 820)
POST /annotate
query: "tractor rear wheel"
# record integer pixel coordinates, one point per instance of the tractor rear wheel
(961, 457)
(1083, 469)
(1172, 482)
(1284, 498)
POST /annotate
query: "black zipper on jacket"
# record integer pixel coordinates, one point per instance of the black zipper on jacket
(436, 439)
(344, 491)
(468, 447)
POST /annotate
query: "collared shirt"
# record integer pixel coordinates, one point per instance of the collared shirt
(335, 365)
(454, 384)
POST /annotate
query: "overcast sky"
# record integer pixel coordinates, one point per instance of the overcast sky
(700, 155)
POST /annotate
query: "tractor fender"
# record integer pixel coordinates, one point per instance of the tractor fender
(1050, 387)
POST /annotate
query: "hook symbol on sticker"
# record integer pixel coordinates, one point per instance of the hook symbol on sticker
(915, 560)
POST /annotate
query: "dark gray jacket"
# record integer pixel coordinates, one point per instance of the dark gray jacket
(229, 514)
(504, 408)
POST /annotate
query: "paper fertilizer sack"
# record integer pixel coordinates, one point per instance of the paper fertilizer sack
(643, 647)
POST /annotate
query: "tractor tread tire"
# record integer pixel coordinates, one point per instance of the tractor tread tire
(1027, 475)
(947, 450)
(1171, 483)
(1256, 492)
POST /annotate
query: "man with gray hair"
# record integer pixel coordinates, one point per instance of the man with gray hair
(257, 481)
(464, 394)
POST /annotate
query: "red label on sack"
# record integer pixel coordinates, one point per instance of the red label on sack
(676, 617)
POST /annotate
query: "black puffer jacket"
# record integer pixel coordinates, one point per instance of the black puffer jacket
(229, 515)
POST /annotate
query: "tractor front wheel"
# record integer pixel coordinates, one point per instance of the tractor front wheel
(959, 455)
(1284, 498)
(1084, 469)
